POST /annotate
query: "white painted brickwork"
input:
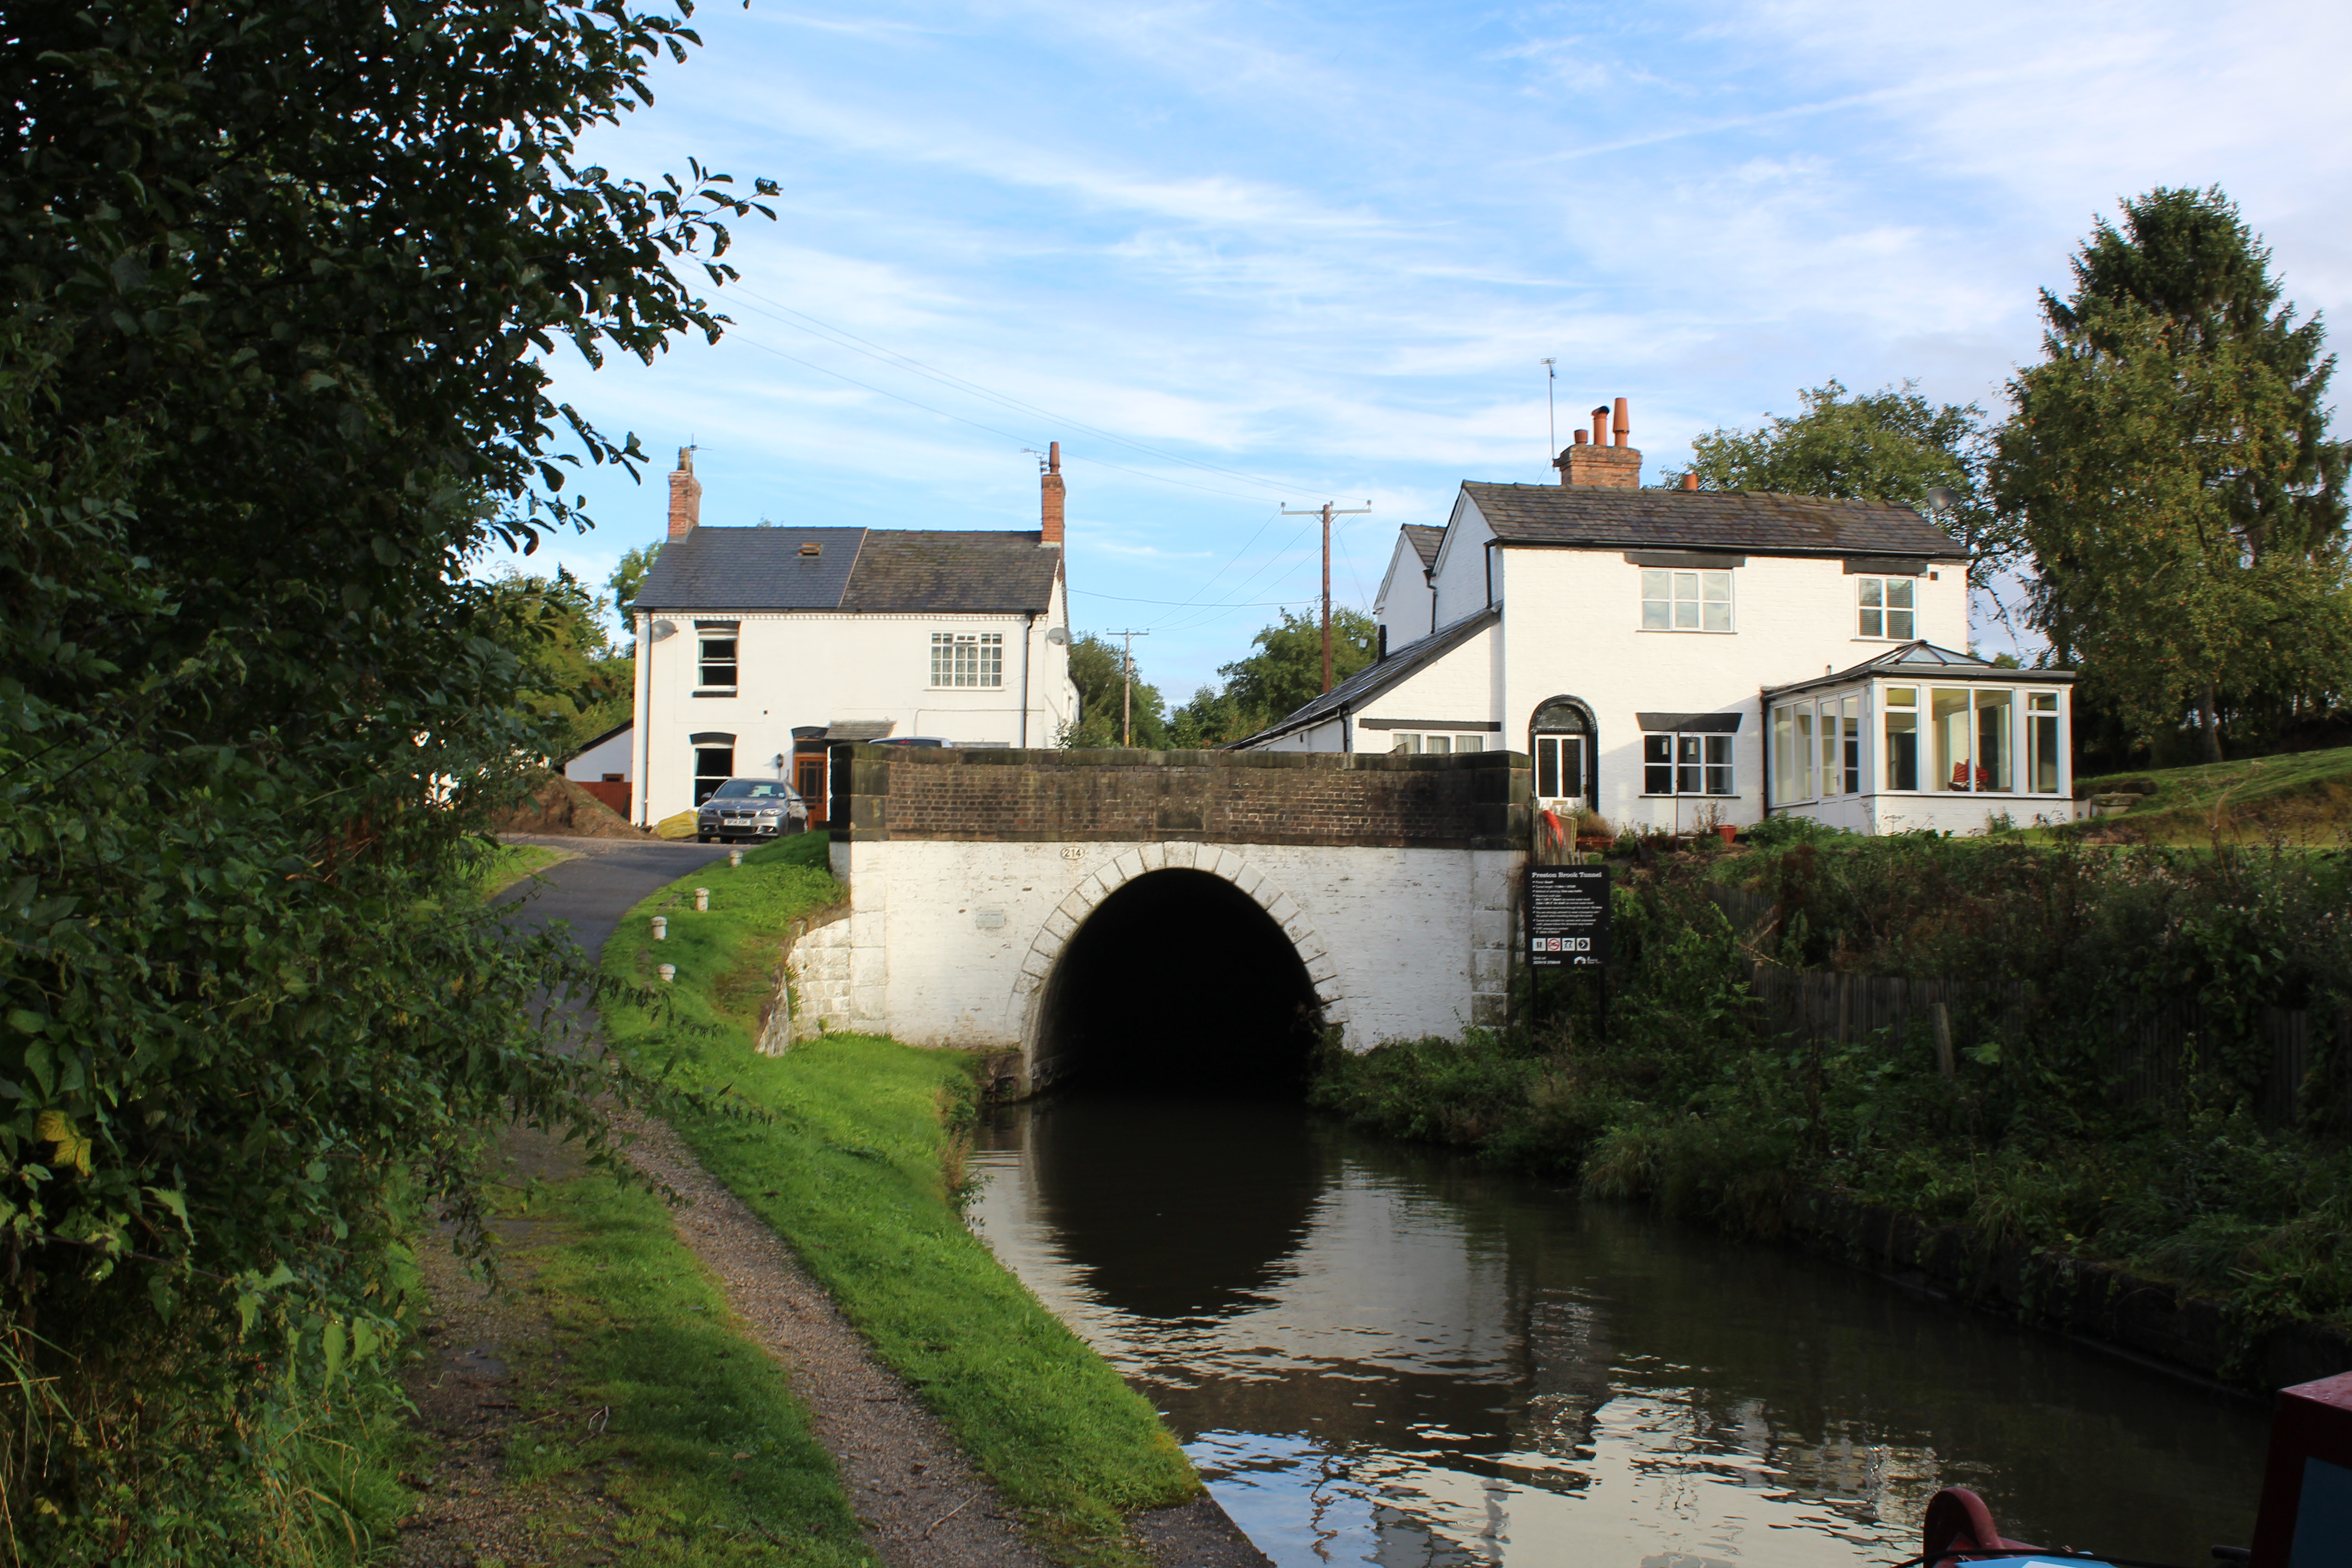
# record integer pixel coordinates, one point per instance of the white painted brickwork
(1399, 943)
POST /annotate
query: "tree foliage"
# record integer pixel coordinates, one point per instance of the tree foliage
(568, 670)
(281, 281)
(1889, 444)
(1284, 675)
(1097, 668)
(2168, 464)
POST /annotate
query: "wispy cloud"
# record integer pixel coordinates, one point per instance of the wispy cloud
(1321, 252)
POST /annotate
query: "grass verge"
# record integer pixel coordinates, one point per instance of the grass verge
(857, 1171)
(2297, 797)
(658, 1406)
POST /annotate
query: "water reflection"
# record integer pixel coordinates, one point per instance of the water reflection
(1380, 1355)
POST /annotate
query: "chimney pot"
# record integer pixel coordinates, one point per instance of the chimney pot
(1580, 437)
(1052, 499)
(684, 495)
(1624, 425)
(1600, 425)
(1690, 481)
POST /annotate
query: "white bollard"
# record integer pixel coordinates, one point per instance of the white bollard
(734, 858)
(661, 928)
(702, 898)
(668, 973)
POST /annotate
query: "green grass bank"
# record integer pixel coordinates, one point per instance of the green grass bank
(2030, 1143)
(851, 1148)
(648, 1398)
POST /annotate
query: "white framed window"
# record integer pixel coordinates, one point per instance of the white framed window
(1439, 745)
(718, 668)
(1676, 601)
(967, 658)
(1678, 762)
(1889, 607)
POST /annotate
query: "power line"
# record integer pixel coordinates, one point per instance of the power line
(1327, 515)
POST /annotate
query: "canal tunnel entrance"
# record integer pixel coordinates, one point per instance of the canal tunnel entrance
(1179, 980)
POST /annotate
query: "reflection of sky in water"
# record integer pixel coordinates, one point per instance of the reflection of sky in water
(1409, 1366)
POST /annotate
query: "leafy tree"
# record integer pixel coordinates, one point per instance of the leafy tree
(1284, 675)
(281, 279)
(568, 670)
(1889, 444)
(2168, 464)
(627, 578)
(1097, 668)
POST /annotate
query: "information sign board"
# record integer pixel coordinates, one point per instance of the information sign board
(1568, 916)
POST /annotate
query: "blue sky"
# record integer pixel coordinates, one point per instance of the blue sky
(1242, 257)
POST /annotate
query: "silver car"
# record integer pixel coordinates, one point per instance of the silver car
(750, 808)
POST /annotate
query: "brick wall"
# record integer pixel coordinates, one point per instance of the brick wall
(1474, 802)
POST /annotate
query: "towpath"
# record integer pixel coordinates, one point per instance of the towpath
(921, 1501)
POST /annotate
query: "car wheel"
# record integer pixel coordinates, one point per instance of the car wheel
(702, 839)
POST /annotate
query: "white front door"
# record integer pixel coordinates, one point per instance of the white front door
(1560, 772)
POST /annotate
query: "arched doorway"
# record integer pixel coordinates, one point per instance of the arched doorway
(1564, 743)
(1178, 979)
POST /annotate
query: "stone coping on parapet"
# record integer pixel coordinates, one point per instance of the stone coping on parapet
(1478, 800)
(1116, 757)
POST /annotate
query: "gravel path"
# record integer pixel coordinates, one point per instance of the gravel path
(920, 1499)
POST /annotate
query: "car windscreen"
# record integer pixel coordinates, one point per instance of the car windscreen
(752, 789)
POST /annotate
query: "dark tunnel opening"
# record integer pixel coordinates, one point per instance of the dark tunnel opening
(1179, 980)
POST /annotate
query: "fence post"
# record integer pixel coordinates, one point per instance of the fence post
(1941, 1016)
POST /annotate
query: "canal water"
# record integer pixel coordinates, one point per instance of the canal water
(1381, 1354)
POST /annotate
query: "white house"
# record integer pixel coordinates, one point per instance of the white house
(759, 648)
(1672, 658)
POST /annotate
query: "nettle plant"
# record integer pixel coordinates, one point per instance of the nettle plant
(281, 283)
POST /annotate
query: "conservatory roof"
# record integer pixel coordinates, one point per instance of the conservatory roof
(1925, 662)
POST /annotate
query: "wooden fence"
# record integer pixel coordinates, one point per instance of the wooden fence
(2147, 1061)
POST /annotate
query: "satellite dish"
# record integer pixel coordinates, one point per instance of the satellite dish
(665, 629)
(1941, 499)
(1056, 636)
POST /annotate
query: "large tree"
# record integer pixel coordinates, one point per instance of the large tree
(282, 281)
(1284, 675)
(1889, 444)
(2168, 464)
(1108, 704)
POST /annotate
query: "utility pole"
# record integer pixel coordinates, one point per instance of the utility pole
(1127, 686)
(1328, 513)
(1551, 421)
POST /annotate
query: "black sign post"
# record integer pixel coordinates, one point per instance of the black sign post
(1568, 922)
(1568, 917)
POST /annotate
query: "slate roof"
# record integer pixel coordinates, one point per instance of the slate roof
(945, 571)
(873, 570)
(1378, 676)
(1925, 662)
(1425, 540)
(1759, 522)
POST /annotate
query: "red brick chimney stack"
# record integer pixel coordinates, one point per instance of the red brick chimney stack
(1593, 459)
(684, 495)
(1053, 496)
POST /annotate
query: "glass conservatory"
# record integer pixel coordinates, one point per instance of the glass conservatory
(1922, 737)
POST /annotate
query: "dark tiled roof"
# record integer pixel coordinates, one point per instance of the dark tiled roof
(1925, 662)
(1754, 520)
(945, 571)
(1375, 679)
(862, 569)
(752, 569)
(1424, 541)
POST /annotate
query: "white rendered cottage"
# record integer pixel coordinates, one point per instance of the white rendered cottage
(1674, 658)
(759, 648)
